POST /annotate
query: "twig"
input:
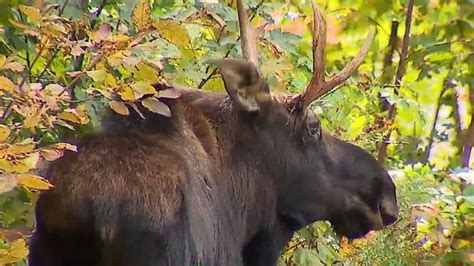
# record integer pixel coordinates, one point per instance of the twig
(48, 64)
(92, 64)
(214, 71)
(61, 10)
(293, 246)
(382, 153)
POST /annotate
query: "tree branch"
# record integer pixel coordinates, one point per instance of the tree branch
(214, 71)
(382, 152)
(433, 127)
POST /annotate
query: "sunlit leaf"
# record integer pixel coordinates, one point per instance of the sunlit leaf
(19, 165)
(143, 88)
(97, 75)
(33, 182)
(31, 13)
(156, 106)
(64, 146)
(141, 15)
(144, 71)
(7, 183)
(172, 31)
(126, 93)
(15, 253)
(119, 107)
(13, 66)
(6, 84)
(4, 133)
(3, 60)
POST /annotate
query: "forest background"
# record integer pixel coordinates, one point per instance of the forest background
(62, 63)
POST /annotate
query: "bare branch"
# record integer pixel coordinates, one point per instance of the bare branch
(248, 36)
(382, 151)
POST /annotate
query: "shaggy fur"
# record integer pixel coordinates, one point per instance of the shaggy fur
(213, 185)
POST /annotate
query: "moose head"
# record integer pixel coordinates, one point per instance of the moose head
(319, 177)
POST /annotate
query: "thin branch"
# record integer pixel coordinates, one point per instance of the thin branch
(61, 10)
(92, 64)
(433, 127)
(388, 61)
(382, 153)
(469, 136)
(214, 71)
(48, 64)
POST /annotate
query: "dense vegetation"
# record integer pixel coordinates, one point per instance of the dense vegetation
(63, 62)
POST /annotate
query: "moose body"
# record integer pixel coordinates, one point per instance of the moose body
(226, 180)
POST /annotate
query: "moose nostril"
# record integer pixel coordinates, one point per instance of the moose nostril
(389, 216)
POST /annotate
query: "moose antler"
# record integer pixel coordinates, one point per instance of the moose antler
(318, 86)
(248, 35)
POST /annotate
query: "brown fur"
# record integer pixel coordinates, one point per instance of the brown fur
(212, 185)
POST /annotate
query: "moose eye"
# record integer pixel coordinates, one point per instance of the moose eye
(314, 128)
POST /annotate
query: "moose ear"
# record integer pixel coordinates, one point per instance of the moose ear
(243, 83)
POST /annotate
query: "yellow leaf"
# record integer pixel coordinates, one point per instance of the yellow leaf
(3, 60)
(33, 181)
(4, 133)
(32, 13)
(32, 120)
(115, 59)
(16, 253)
(69, 115)
(143, 87)
(82, 114)
(64, 146)
(17, 148)
(156, 106)
(119, 107)
(141, 15)
(126, 93)
(7, 183)
(97, 75)
(19, 165)
(6, 84)
(13, 66)
(173, 32)
(119, 38)
(144, 71)
(110, 79)
(19, 24)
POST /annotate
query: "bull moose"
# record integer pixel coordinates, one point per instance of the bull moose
(226, 180)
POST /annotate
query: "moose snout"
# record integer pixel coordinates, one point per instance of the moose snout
(388, 210)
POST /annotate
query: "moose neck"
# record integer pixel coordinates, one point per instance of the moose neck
(241, 162)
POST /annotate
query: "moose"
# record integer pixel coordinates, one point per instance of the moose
(226, 180)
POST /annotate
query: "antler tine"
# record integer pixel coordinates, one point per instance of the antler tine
(352, 66)
(248, 36)
(318, 86)
(319, 57)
